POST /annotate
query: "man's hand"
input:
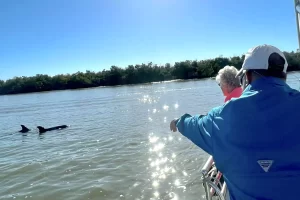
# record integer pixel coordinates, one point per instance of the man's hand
(173, 125)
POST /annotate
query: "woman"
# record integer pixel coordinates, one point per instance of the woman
(229, 83)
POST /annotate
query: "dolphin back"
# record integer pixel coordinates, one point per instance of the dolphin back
(41, 129)
(24, 129)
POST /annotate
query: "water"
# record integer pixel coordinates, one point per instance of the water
(118, 145)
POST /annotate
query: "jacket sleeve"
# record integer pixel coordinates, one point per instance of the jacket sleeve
(198, 129)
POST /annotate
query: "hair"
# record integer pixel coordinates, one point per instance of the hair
(227, 76)
(275, 69)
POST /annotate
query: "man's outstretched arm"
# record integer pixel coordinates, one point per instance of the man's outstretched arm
(197, 128)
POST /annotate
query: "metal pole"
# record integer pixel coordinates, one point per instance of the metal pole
(297, 21)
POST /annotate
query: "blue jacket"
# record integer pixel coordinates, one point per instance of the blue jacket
(254, 140)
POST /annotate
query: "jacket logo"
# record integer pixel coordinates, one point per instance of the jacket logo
(265, 164)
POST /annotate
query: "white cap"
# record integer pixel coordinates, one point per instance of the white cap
(259, 57)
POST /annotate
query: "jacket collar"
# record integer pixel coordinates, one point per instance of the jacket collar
(264, 83)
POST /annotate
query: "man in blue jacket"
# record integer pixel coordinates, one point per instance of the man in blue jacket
(254, 139)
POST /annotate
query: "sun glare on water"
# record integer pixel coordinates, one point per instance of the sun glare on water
(163, 177)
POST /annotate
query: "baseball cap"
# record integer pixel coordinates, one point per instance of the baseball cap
(265, 57)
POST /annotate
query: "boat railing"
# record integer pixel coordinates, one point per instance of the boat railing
(215, 189)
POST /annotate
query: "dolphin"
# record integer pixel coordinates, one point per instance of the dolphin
(24, 129)
(43, 130)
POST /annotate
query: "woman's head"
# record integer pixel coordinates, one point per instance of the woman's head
(227, 79)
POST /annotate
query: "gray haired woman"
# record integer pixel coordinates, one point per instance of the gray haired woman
(229, 83)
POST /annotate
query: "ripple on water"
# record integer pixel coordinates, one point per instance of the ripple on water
(163, 174)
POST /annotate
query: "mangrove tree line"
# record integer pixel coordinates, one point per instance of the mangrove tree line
(133, 74)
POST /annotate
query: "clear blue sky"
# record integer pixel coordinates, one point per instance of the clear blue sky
(66, 36)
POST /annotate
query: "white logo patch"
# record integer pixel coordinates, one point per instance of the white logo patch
(265, 164)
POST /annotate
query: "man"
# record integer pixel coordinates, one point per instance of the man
(254, 139)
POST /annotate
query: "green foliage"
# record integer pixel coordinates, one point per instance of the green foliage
(144, 73)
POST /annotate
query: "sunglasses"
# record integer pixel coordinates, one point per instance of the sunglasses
(242, 78)
(243, 75)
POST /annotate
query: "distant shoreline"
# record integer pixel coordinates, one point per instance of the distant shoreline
(114, 86)
(109, 86)
(139, 74)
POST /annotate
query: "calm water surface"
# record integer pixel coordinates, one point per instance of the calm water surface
(118, 145)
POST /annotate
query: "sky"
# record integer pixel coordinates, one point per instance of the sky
(65, 36)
